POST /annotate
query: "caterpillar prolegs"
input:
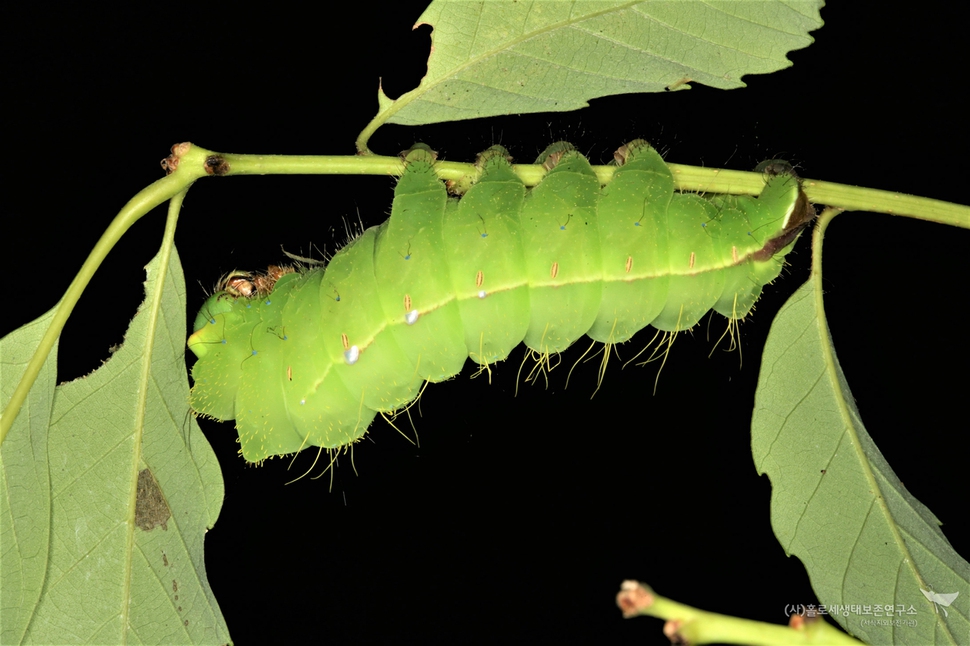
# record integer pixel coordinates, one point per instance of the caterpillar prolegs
(309, 358)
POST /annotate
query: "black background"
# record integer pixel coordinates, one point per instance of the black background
(518, 516)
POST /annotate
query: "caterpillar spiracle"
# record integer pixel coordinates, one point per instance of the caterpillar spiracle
(309, 358)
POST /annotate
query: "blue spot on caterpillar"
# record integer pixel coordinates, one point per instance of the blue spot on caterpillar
(448, 279)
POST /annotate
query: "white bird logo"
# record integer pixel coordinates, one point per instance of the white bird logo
(941, 599)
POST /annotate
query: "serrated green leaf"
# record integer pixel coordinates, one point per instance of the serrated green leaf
(502, 57)
(133, 486)
(836, 503)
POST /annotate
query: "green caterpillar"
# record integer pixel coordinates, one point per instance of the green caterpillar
(309, 358)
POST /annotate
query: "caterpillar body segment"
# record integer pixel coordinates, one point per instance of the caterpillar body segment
(312, 362)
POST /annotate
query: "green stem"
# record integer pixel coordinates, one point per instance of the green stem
(686, 178)
(191, 166)
(686, 624)
(857, 198)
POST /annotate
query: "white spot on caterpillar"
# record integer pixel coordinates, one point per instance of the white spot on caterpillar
(352, 355)
(303, 402)
(411, 317)
(555, 269)
(479, 278)
(788, 215)
(691, 263)
(629, 263)
(482, 294)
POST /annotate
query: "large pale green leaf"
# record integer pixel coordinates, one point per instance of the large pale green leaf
(25, 482)
(109, 511)
(836, 503)
(503, 57)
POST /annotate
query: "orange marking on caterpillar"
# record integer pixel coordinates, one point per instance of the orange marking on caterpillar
(555, 269)
(479, 278)
(289, 373)
(629, 263)
(734, 254)
(691, 263)
(343, 339)
(407, 302)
